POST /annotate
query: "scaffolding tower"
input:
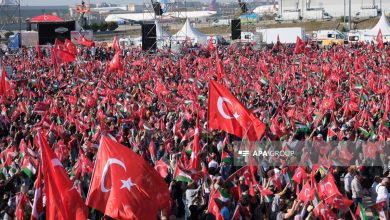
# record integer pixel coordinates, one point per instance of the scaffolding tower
(10, 17)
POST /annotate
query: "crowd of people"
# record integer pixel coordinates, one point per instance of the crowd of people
(306, 99)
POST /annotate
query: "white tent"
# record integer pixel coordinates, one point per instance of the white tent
(188, 32)
(383, 25)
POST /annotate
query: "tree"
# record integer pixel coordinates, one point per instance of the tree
(112, 26)
(8, 34)
(95, 27)
(103, 26)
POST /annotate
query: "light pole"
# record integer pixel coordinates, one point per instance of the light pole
(350, 18)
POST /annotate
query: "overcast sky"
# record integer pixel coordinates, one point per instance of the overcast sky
(73, 2)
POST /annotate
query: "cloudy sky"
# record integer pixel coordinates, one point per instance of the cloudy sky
(73, 2)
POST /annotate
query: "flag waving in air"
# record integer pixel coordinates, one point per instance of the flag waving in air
(62, 199)
(124, 185)
(228, 114)
(379, 39)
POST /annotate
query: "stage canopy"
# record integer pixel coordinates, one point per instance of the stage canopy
(46, 18)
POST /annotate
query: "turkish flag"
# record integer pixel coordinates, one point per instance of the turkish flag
(306, 193)
(124, 185)
(162, 168)
(195, 157)
(37, 207)
(379, 39)
(228, 114)
(299, 174)
(115, 45)
(62, 199)
(327, 187)
(299, 46)
(85, 41)
(61, 53)
(71, 47)
(115, 63)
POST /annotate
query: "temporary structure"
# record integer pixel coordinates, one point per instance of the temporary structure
(383, 25)
(188, 32)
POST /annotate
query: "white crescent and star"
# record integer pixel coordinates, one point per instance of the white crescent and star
(220, 102)
(125, 183)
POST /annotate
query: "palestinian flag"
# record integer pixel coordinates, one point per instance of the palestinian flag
(287, 174)
(29, 166)
(226, 157)
(331, 135)
(302, 128)
(361, 212)
(264, 80)
(223, 194)
(182, 176)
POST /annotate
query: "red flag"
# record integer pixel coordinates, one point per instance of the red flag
(23, 207)
(220, 69)
(37, 208)
(228, 114)
(213, 207)
(62, 199)
(38, 49)
(328, 104)
(71, 47)
(299, 46)
(327, 187)
(85, 42)
(62, 53)
(115, 63)
(379, 39)
(299, 174)
(4, 83)
(162, 168)
(124, 185)
(210, 45)
(115, 45)
(152, 150)
(195, 157)
(306, 193)
(82, 166)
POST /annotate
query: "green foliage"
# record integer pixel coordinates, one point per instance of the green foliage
(112, 26)
(8, 34)
(94, 27)
(103, 26)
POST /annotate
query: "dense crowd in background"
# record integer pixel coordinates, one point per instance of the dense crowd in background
(335, 93)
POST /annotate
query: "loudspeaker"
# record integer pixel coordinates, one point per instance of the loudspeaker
(157, 8)
(236, 29)
(149, 36)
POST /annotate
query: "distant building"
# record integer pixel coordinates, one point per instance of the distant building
(333, 7)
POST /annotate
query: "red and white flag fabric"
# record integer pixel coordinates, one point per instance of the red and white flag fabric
(23, 208)
(195, 157)
(116, 46)
(306, 194)
(162, 168)
(37, 207)
(379, 39)
(124, 185)
(228, 114)
(4, 83)
(62, 199)
(85, 41)
(115, 63)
